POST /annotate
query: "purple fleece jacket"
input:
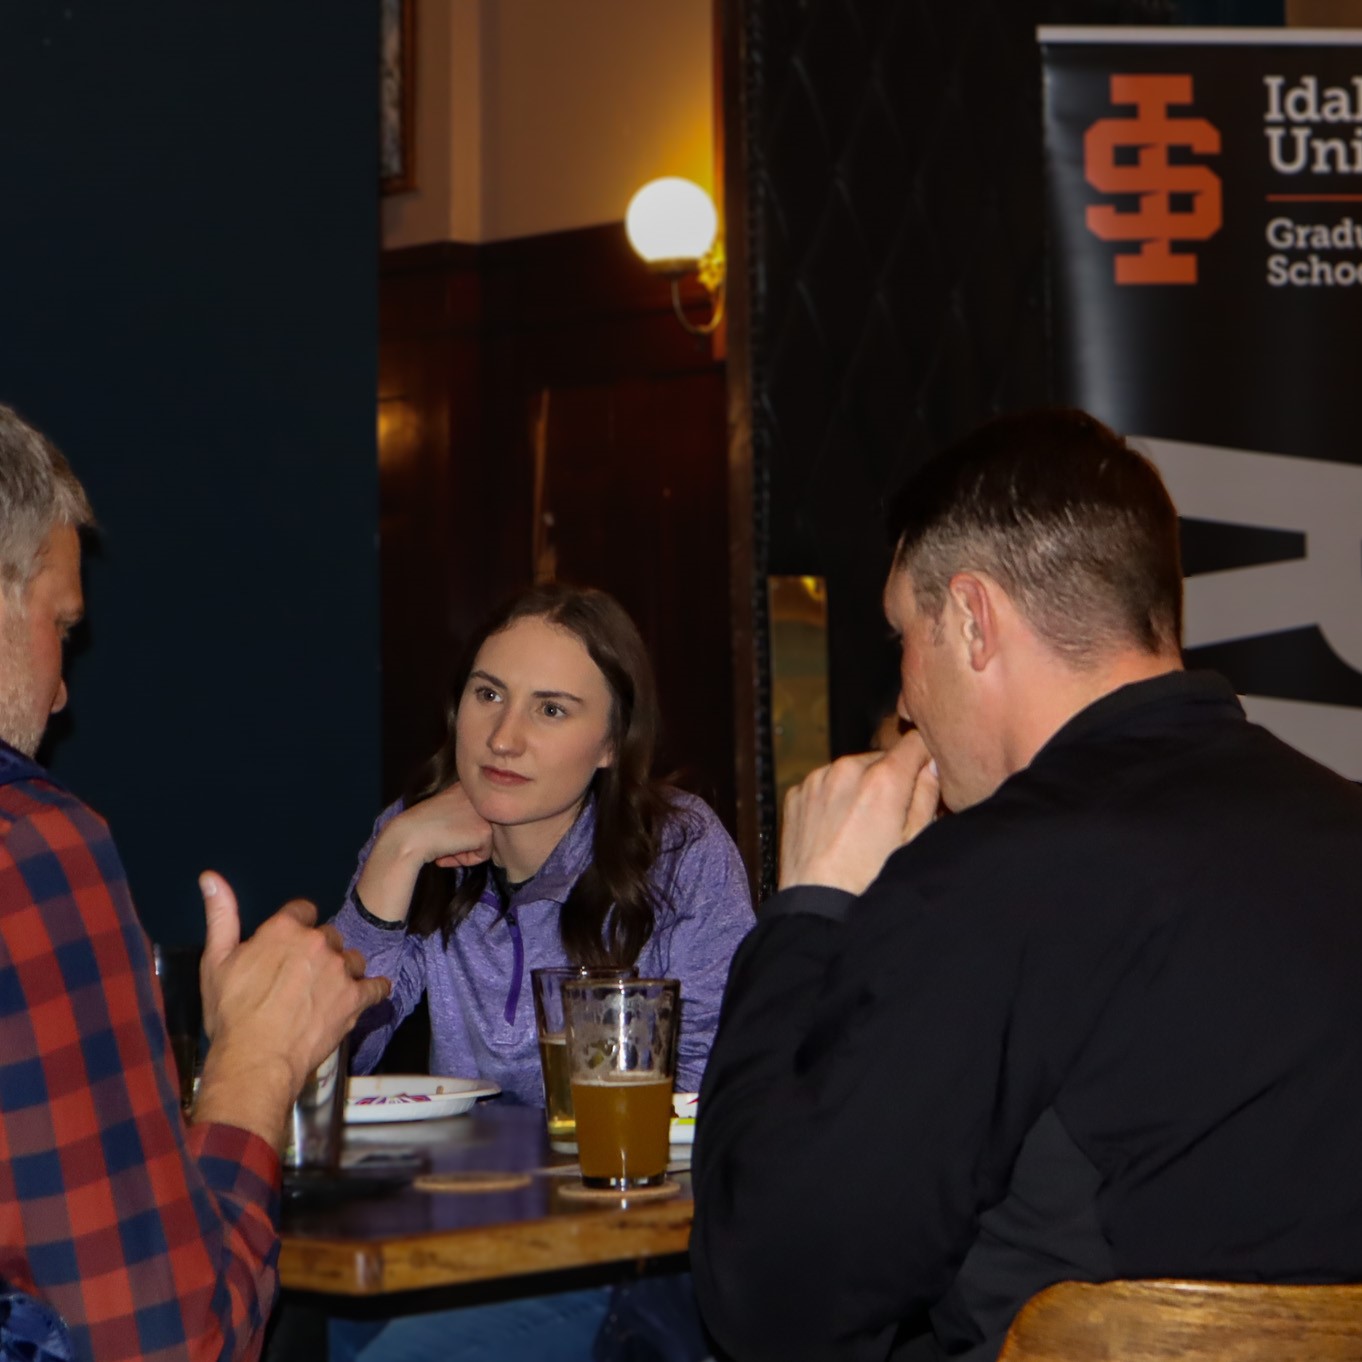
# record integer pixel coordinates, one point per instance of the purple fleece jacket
(481, 1011)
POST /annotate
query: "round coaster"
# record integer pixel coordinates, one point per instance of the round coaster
(471, 1182)
(574, 1191)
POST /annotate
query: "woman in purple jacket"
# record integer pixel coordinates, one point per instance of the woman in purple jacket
(536, 835)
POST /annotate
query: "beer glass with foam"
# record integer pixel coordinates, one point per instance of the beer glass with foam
(621, 1044)
(547, 987)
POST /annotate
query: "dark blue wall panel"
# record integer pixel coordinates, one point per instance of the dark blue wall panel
(188, 250)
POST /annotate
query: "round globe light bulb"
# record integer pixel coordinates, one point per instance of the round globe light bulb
(671, 223)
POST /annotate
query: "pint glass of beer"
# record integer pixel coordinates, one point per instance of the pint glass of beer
(547, 987)
(621, 1044)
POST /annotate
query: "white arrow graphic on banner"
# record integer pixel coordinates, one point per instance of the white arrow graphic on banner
(1323, 501)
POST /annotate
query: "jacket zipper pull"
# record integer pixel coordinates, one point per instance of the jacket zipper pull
(517, 968)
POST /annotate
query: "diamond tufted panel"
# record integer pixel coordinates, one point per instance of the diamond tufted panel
(895, 243)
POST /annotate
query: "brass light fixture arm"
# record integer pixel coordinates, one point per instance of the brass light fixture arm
(710, 271)
(716, 314)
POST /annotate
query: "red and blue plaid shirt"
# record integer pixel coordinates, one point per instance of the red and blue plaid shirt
(151, 1239)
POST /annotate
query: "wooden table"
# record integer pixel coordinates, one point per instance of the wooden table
(405, 1239)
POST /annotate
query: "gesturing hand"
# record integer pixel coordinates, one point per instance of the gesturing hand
(274, 1007)
(844, 820)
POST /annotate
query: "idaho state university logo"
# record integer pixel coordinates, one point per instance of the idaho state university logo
(1195, 189)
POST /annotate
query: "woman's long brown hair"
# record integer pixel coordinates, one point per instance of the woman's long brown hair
(611, 911)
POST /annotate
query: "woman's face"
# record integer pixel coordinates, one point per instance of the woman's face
(533, 725)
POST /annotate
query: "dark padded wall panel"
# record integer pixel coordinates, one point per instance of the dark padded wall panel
(894, 216)
(188, 284)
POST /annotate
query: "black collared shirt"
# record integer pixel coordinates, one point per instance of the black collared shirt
(1106, 1023)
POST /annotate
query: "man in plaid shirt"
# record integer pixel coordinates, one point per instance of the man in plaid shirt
(152, 1239)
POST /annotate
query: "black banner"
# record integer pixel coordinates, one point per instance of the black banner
(1204, 192)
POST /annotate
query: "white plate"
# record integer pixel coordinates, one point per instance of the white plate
(684, 1107)
(412, 1097)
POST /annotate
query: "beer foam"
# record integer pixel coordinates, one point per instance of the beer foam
(623, 1080)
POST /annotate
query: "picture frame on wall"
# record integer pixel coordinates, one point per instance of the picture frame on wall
(397, 96)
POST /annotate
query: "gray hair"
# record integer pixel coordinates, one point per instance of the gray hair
(38, 492)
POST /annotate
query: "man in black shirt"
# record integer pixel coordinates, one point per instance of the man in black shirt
(1104, 1020)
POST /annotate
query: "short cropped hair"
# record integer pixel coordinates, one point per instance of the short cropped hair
(38, 492)
(1074, 524)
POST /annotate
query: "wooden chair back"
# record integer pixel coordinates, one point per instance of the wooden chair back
(1164, 1321)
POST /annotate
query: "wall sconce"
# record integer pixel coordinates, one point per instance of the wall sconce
(672, 225)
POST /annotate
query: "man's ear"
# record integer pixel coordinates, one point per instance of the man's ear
(976, 620)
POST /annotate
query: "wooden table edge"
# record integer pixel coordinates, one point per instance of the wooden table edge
(353, 1267)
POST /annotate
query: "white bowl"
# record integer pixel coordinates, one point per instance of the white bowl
(412, 1097)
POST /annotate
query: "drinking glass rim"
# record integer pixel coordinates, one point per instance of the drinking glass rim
(635, 982)
(163, 953)
(585, 972)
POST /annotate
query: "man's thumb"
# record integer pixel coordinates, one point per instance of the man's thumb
(223, 934)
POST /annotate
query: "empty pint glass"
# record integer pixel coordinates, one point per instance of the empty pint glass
(547, 986)
(317, 1122)
(621, 1042)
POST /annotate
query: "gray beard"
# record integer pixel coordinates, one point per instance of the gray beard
(20, 725)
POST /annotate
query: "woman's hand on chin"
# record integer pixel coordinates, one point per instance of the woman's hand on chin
(443, 830)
